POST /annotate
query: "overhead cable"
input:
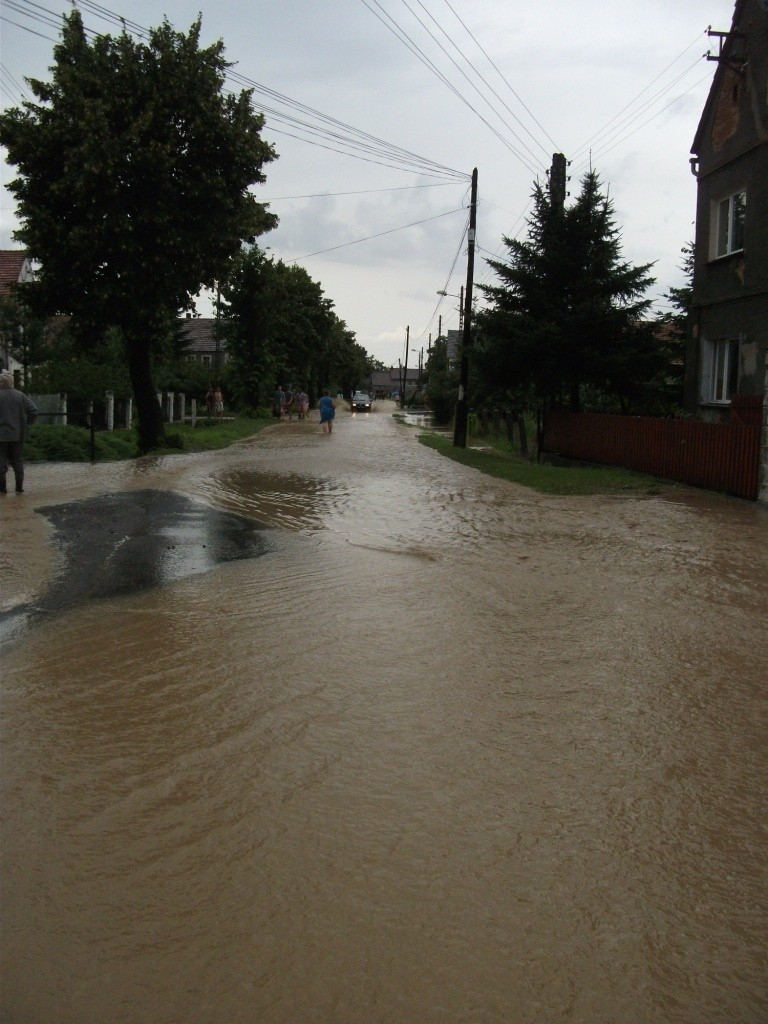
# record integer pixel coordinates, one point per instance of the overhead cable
(379, 234)
(386, 19)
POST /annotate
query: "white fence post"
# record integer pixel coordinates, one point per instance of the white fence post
(110, 409)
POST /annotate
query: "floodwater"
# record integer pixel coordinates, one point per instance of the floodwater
(423, 748)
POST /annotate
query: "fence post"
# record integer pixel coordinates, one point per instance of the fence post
(762, 484)
(181, 403)
(194, 412)
(92, 428)
(169, 406)
(110, 409)
(128, 413)
(63, 407)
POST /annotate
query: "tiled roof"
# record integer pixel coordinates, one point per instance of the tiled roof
(11, 267)
(199, 332)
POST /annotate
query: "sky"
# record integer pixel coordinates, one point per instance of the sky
(380, 109)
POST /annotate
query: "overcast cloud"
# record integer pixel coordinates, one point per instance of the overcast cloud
(634, 65)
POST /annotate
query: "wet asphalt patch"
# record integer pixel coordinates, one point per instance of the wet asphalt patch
(118, 544)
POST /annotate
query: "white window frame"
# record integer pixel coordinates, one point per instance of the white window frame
(720, 371)
(728, 217)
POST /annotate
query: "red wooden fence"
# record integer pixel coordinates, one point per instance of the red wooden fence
(719, 456)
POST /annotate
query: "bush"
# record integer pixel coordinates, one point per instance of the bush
(51, 443)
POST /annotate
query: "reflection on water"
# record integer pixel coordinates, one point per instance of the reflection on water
(116, 544)
(448, 752)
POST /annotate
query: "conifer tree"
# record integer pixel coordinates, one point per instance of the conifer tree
(568, 311)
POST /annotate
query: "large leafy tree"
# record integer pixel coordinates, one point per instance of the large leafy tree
(280, 328)
(568, 311)
(135, 169)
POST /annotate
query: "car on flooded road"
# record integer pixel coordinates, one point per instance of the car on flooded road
(361, 402)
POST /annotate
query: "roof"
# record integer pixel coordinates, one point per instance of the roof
(392, 376)
(200, 332)
(714, 89)
(14, 267)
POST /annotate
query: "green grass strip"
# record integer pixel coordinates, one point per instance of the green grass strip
(493, 460)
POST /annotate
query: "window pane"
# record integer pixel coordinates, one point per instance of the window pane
(733, 369)
(718, 377)
(738, 205)
(723, 209)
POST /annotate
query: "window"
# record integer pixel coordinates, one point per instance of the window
(729, 224)
(720, 378)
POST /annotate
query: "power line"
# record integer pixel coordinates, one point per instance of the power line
(479, 75)
(607, 148)
(360, 192)
(379, 234)
(642, 92)
(340, 137)
(389, 22)
(501, 76)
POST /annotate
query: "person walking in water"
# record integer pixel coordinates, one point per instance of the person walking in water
(17, 411)
(327, 408)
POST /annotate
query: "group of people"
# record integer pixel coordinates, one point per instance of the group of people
(290, 400)
(214, 401)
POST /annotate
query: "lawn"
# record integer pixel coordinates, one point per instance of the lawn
(497, 458)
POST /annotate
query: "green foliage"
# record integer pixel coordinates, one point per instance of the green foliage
(280, 329)
(442, 383)
(23, 333)
(568, 312)
(134, 183)
(51, 443)
(83, 374)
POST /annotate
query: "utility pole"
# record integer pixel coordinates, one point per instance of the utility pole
(557, 177)
(462, 405)
(405, 371)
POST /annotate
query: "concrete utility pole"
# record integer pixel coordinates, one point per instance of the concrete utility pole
(557, 179)
(462, 405)
(404, 381)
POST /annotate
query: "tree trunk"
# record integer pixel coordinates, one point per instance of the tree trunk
(147, 406)
(523, 435)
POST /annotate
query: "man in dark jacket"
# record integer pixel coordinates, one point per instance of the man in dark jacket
(16, 412)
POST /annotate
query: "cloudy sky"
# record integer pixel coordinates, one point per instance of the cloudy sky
(380, 109)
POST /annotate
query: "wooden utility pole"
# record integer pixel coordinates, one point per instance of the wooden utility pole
(462, 405)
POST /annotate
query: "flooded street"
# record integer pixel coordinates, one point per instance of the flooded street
(379, 740)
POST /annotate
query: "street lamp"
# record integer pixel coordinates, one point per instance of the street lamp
(460, 297)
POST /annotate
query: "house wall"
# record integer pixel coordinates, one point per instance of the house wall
(730, 293)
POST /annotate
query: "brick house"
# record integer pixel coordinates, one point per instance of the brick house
(726, 366)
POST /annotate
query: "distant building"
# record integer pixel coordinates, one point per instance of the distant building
(386, 383)
(453, 346)
(202, 343)
(15, 268)
(726, 361)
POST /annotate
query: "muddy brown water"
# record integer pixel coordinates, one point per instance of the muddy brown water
(443, 750)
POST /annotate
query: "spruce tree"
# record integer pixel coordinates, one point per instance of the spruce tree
(568, 311)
